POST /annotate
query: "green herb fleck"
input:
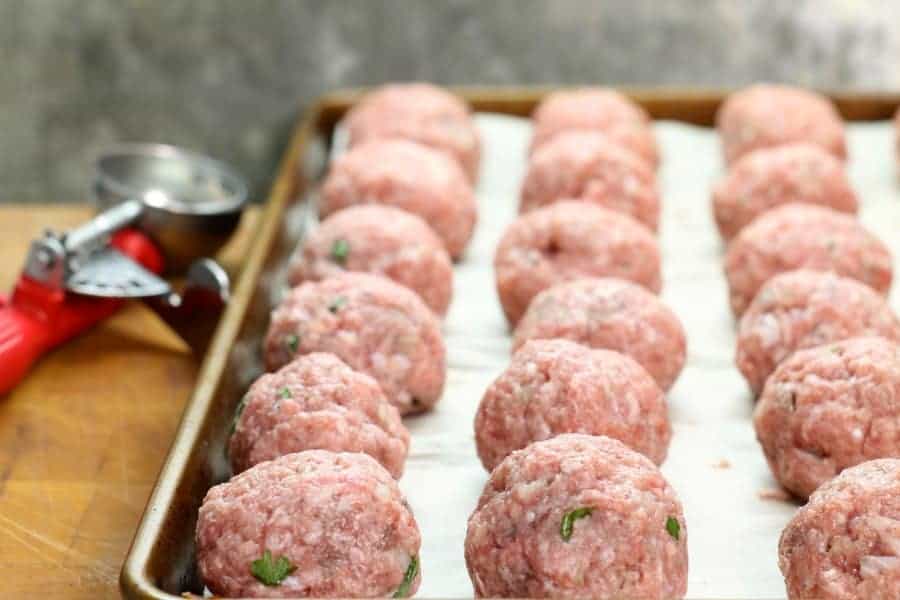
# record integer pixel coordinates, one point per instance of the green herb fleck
(292, 342)
(285, 393)
(237, 415)
(271, 572)
(339, 251)
(568, 521)
(337, 304)
(673, 527)
(411, 571)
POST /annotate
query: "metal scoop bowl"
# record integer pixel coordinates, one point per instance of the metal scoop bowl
(188, 203)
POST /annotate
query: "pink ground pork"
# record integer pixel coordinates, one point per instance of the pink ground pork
(828, 408)
(331, 524)
(560, 242)
(611, 314)
(769, 177)
(577, 516)
(603, 110)
(408, 176)
(845, 543)
(382, 240)
(371, 323)
(802, 309)
(586, 165)
(317, 402)
(802, 236)
(422, 113)
(557, 386)
(765, 115)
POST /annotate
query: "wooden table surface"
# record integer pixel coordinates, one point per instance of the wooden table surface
(82, 439)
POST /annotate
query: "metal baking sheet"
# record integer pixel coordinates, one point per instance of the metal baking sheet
(733, 507)
(714, 462)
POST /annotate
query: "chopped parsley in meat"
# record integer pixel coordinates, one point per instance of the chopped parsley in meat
(269, 571)
(340, 250)
(337, 304)
(568, 521)
(673, 527)
(411, 571)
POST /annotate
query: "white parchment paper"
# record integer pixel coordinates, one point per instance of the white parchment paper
(714, 462)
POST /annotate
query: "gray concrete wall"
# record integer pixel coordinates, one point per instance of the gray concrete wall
(228, 77)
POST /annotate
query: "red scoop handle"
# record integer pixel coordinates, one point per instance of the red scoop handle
(37, 318)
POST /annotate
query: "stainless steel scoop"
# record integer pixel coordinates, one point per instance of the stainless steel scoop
(166, 210)
(189, 204)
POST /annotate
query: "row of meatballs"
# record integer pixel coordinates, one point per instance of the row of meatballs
(582, 404)
(314, 509)
(817, 341)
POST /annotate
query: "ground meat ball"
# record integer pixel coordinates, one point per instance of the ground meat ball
(371, 323)
(626, 536)
(801, 309)
(596, 109)
(382, 240)
(611, 314)
(317, 402)
(828, 408)
(802, 236)
(558, 386)
(408, 176)
(423, 113)
(571, 240)
(588, 166)
(845, 543)
(338, 518)
(769, 177)
(762, 116)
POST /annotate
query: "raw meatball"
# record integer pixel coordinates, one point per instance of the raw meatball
(423, 113)
(845, 543)
(802, 236)
(382, 240)
(612, 314)
(762, 116)
(408, 176)
(577, 516)
(828, 408)
(766, 178)
(313, 524)
(571, 240)
(596, 109)
(371, 323)
(317, 402)
(801, 309)
(558, 386)
(588, 166)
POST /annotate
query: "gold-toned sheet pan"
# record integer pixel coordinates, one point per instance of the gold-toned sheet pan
(161, 562)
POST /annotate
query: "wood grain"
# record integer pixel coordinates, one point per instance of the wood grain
(82, 439)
